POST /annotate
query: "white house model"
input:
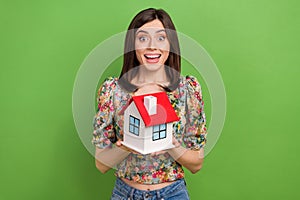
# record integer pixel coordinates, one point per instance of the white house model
(148, 123)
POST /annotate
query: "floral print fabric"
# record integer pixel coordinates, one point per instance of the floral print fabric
(190, 130)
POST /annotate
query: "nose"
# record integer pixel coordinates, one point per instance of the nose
(152, 44)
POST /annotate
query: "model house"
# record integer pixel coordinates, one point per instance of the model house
(148, 123)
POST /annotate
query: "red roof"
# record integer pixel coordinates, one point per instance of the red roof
(165, 112)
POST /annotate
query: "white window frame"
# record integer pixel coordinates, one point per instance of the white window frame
(159, 132)
(134, 125)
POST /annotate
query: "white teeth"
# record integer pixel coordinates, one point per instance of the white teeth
(152, 56)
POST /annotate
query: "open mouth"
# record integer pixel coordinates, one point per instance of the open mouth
(152, 56)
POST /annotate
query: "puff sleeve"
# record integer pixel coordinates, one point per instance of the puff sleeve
(195, 129)
(104, 134)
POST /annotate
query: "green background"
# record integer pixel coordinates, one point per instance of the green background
(255, 45)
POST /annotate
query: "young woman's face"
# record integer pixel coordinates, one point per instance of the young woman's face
(152, 45)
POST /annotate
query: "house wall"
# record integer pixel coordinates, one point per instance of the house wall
(144, 143)
(133, 141)
(158, 145)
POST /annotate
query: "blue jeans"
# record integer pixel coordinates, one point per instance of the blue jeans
(174, 191)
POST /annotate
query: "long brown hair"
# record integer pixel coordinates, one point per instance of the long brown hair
(130, 61)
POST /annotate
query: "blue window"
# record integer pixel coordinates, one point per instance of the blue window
(159, 132)
(134, 124)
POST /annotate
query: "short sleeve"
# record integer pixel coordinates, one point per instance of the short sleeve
(195, 129)
(104, 134)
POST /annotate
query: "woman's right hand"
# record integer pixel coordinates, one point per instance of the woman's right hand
(120, 145)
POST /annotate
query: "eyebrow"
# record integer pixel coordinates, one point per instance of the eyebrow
(142, 31)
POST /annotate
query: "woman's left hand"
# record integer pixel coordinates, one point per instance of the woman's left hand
(175, 143)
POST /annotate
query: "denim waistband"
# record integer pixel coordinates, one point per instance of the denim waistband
(133, 193)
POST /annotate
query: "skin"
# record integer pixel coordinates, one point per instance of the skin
(151, 40)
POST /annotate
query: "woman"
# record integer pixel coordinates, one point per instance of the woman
(151, 64)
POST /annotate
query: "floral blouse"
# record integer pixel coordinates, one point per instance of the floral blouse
(190, 130)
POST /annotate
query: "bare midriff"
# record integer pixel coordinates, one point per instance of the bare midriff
(145, 186)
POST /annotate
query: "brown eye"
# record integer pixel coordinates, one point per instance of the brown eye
(161, 38)
(143, 38)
